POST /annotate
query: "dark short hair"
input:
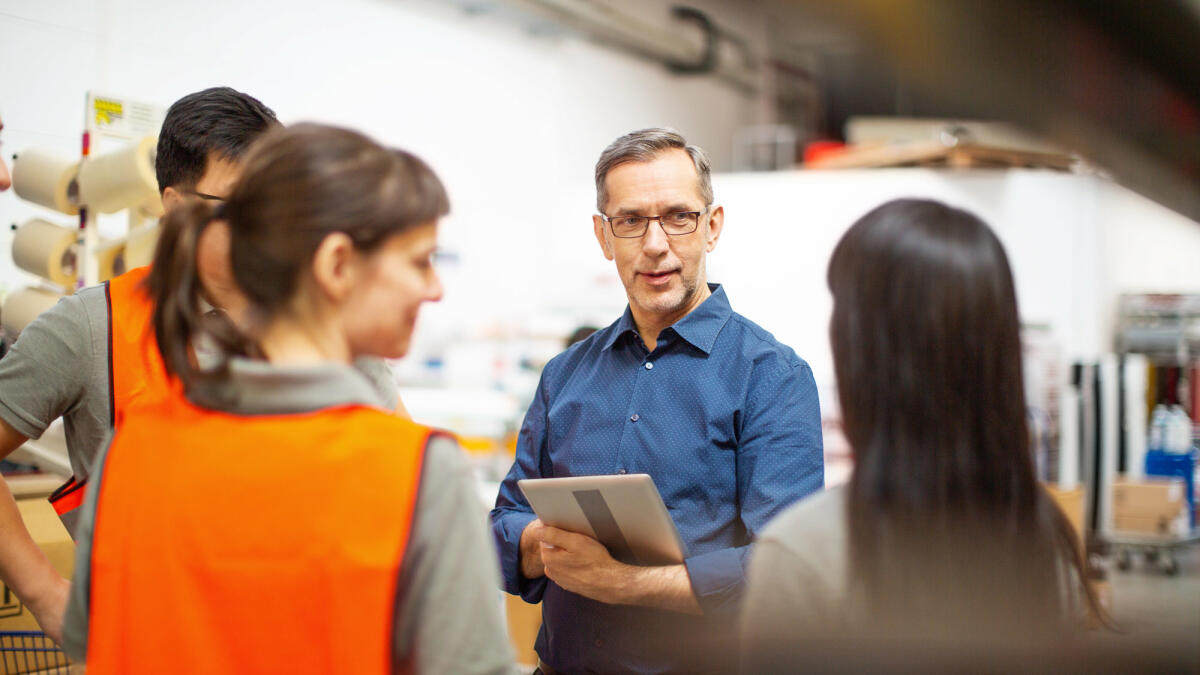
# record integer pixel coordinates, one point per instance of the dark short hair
(218, 120)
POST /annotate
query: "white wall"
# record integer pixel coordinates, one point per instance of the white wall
(507, 118)
(781, 229)
(1074, 242)
(1147, 248)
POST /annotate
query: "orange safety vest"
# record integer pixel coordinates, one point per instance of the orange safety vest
(251, 544)
(135, 367)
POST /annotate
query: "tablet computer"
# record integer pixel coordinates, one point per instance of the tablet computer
(623, 512)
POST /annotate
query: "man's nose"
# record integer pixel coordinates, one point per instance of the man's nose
(655, 241)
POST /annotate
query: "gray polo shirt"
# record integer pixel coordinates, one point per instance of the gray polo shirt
(447, 607)
(59, 368)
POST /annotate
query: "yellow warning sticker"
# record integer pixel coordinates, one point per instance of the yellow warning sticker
(108, 111)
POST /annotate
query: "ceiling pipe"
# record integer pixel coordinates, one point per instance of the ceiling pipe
(679, 50)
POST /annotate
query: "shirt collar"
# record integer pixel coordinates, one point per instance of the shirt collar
(699, 328)
(256, 387)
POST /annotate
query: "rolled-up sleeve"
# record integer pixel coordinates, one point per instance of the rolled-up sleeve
(780, 460)
(718, 578)
(513, 513)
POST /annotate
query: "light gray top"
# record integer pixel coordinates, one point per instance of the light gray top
(798, 582)
(797, 575)
(59, 368)
(447, 607)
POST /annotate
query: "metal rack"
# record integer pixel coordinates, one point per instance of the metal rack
(1166, 329)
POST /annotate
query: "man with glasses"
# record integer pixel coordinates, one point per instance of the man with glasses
(71, 361)
(723, 417)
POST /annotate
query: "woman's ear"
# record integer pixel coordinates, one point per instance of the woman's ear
(335, 266)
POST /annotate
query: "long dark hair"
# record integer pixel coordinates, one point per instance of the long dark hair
(299, 185)
(948, 528)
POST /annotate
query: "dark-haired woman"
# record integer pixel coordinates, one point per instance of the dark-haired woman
(942, 531)
(279, 518)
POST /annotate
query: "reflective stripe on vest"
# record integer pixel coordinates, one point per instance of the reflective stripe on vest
(251, 544)
(67, 497)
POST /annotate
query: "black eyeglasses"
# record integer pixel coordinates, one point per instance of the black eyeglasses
(205, 196)
(675, 223)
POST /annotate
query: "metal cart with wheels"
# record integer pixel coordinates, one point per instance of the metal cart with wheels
(1155, 549)
(31, 651)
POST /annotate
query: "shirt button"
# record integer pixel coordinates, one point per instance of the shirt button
(633, 417)
(649, 366)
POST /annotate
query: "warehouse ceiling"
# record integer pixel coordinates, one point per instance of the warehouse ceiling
(1116, 81)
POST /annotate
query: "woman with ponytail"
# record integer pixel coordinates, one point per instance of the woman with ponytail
(276, 516)
(942, 532)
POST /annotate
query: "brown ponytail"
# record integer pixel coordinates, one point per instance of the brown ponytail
(174, 285)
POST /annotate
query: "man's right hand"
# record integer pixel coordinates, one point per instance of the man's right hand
(531, 550)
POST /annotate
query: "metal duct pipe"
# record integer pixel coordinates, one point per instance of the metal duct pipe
(679, 51)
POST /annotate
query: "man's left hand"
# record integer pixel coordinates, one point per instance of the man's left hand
(583, 565)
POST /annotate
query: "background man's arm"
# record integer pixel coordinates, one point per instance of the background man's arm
(44, 375)
(23, 566)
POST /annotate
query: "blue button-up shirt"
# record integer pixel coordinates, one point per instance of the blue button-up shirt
(726, 421)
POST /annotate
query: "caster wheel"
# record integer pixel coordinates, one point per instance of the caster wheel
(1124, 560)
(1170, 565)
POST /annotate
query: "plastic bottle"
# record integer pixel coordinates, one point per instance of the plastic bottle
(1158, 428)
(1179, 431)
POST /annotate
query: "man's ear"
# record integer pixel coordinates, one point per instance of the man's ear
(171, 198)
(602, 237)
(716, 224)
(335, 266)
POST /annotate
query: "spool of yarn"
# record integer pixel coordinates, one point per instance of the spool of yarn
(111, 262)
(47, 179)
(47, 250)
(139, 248)
(119, 180)
(151, 208)
(23, 305)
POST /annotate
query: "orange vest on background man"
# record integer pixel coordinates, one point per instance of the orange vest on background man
(134, 362)
(135, 367)
(251, 544)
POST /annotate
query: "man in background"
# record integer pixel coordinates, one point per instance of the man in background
(94, 352)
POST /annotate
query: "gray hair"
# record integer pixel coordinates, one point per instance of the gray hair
(644, 145)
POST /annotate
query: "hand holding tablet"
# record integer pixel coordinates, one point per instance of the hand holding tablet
(623, 512)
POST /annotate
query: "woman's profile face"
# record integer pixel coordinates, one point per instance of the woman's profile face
(381, 312)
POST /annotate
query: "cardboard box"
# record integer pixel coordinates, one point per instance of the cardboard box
(1155, 525)
(524, 621)
(33, 485)
(49, 534)
(1153, 498)
(1071, 503)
